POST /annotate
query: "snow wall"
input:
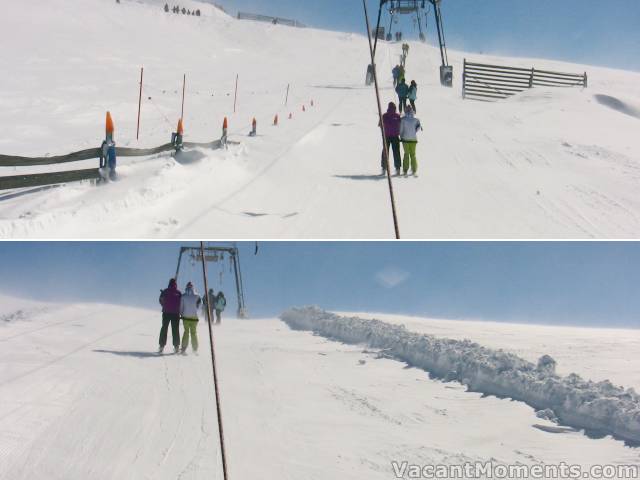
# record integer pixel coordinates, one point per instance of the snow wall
(598, 408)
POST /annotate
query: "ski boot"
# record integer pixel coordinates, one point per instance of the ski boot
(160, 349)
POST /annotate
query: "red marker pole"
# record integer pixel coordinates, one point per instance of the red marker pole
(235, 98)
(139, 103)
(184, 86)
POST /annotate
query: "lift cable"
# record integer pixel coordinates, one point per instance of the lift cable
(213, 364)
(385, 146)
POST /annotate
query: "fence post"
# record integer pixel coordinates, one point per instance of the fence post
(286, 100)
(464, 78)
(531, 77)
(585, 80)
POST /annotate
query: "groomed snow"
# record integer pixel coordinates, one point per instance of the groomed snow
(549, 163)
(601, 407)
(82, 395)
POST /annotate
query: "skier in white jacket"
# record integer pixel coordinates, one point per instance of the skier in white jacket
(409, 127)
(189, 306)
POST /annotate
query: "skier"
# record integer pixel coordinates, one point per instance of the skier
(209, 299)
(220, 304)
(396, 75)
(409, 135)
(405, 50)
(189, 305)
(413, 95)
(391, 121)
(403, 91)
(369, 78)
(170, 301)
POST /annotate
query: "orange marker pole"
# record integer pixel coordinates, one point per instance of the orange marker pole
(109, 128)
(108, 151)
(184, 86)
(275, 120)
(177, 137)
(139, 104)
(235, 97)
(225, 128)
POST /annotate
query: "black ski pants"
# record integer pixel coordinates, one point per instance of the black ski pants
(402, 103)
(393, 144)
(174, 320)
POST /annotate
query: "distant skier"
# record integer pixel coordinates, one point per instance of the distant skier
(403, 92)
(391, 121)
(409, 127)
(396, 75)
(221, 304)
(405, 50)
(209, 299)
(189, 306)
(369, 78)
(413, 95)
(170, 301)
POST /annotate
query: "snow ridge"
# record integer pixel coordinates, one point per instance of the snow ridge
(601, 408)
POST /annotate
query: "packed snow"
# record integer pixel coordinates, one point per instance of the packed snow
(83, 395)
(598, 407)
(549, 163)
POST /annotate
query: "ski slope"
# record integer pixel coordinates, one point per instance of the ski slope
(83, 396)
(548, 163)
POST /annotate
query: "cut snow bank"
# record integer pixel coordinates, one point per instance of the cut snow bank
(601, 407)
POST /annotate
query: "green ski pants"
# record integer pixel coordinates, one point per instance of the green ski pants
(410, 157)
(190, 329)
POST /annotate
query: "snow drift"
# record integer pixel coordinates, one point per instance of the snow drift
(600, 408)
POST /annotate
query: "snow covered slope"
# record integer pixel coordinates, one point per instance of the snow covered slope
(547, 163)
(83, 396)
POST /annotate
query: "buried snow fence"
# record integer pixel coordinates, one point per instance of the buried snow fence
(597, 407)
(494, 82)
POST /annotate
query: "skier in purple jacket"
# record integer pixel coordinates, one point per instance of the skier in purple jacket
(170, 301)
(391, 121)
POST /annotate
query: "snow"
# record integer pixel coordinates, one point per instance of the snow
(549, 163)
(599, 407)
(82, 395)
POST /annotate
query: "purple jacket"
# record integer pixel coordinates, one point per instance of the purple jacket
(391, 121)
(170, 300)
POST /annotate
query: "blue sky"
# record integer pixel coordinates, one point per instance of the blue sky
(583, 31)
(551, 283)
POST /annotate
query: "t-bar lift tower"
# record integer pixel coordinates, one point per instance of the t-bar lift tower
(415, 6)
(213, 255)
